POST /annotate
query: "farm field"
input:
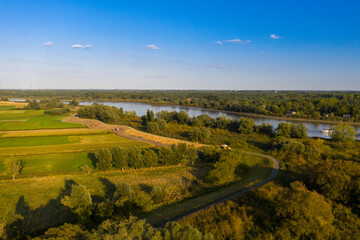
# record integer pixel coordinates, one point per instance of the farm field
(50, 163)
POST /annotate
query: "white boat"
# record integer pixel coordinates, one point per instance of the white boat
(327, 131)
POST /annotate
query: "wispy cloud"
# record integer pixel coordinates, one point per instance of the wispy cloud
(274, 36)
(220, 66)
(152, 46)
(49, 44)
(264, 53)
(238, 41)
(219, 42)
(81, 46)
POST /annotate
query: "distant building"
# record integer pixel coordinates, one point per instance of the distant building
(327, 115)
(346, 116)
(290, 113)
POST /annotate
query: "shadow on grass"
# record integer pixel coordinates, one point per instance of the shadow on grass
(30, 223)
(93, 159)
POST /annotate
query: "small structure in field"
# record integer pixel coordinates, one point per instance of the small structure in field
(290, 113)
(224, 146)
(346, 115)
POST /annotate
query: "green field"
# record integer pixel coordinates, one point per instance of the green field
(31, 119)
(50, 163)
(86, 143)
(52, 132)
(32, 141)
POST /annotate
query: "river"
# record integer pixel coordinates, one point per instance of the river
(314, 128)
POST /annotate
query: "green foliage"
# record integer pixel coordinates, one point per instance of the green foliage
(247, 125)
(57, 111)
(34, 105)
(199, 134)
(106, 114)
(80, 202)
(120, 158)
(85, 169)
(305, 214)
(225, 169)
(291, 130)
(14, 166)
(104, 157)
(343, 132)
(152, 127)
(74, 102)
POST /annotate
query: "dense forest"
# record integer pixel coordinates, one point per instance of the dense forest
(320, 105)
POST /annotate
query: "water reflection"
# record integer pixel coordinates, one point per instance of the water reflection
(314, 128)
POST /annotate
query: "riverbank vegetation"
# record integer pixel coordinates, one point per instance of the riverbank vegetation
(321, 105)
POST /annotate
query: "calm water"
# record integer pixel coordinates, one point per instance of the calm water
(141, 108)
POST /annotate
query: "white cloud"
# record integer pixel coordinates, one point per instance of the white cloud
(76, 46)
(274, 36)
(220, 66)
(87, 46)
(219, 42)
(48, 44)
(239, 41)
(152, 46)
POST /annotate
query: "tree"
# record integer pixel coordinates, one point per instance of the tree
(199, 134)
(343, 132)
(120, 158)
(152, 127)
(85, 169)
(247, 125)
(74, 102)
(305, 214)
(79, 201)
(150, 159)
(104, 157)
(34, 104)
(298, 131)
(284, 129)
(135, 157)
(15, 167)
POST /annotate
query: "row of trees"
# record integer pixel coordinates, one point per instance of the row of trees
(132, 157)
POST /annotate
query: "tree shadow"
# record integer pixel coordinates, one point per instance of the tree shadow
(110, 188)
(31, 223)
(93, 159)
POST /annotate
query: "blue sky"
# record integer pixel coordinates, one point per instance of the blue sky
(310, 45)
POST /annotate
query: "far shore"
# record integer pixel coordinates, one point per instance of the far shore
(218, 110)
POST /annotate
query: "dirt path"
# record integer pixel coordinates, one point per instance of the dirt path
(128, 132)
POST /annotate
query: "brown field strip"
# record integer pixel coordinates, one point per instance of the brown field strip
(15, 104)
(129, 132)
